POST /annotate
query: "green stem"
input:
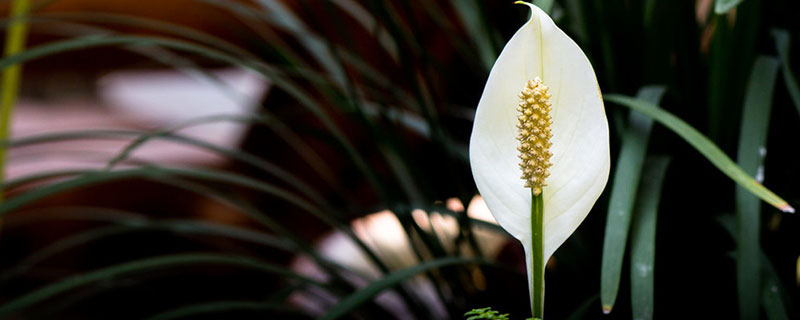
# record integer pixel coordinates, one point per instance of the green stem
(537, 237)
(15, 43)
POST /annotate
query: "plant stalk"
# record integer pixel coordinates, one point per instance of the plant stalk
(537, 237)
(15, 43)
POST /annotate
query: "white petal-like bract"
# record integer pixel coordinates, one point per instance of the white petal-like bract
(581, 159)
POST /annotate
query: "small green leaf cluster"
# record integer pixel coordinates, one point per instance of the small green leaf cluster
(485, 313)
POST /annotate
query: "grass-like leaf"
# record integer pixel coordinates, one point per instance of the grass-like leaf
(90, 178)
(127, 226)
(723, 6)
(104, 18)
(623, 194)
(141, 138)
(703, 145)
(16, 34)
(275, 13)
(546, 5)
(643, 238)
(204, 309)
(773, 296)
(750, 157)
(275, 75)
(178, 178)
(474, 23)
(144, 265)
(782, 41)
(363, 295)
(168, 175)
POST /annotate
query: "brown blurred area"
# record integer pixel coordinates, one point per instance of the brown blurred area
(60, 92)
(75, 73)
(74, 76)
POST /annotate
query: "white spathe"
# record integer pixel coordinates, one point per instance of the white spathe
(581, 159)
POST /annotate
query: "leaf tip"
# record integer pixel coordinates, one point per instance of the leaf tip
(606, 309)
(785, 207)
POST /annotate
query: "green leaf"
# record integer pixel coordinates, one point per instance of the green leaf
(750, 157)
(368, 22)
(138, 266)
(649, 9)
(723, 6)
(305, 151)
(278, 15)
(277, 77)
(103, 18)
(485, 314)
(643, 237)
(353, 301)
(703, 145)
(578, 25)
(474, 22)
(782, 40)
(623, 195)
(206, 308)
(174, 177)
(545, 5)
(773, 296)
(16, 36)
(130, 225)
(97, 177)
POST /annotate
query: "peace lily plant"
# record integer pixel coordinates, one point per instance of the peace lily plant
(539, 149)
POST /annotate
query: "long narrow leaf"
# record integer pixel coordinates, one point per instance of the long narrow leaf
(161, 26)
(782, 41)
(750, 157)
(270, 72)
(180, 227)
(352, 302)
(773, 296)
(172, 176)
(204, 309)
(703, 145)
(723, 6)
(368, 22)
(166, 134)
(143, 265)
(472, 19)
(643, 238)
(16, 36)
(623, 195)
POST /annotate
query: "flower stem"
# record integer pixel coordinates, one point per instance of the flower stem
(537, 237)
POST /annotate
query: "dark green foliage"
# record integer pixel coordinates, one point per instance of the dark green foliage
(485, 313)
(371, 109)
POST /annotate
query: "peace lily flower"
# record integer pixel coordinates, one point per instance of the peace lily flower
(539, 149)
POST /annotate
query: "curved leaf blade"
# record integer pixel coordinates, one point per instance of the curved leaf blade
(142, 265)
(703, 145)
(752, 149)
(643, 238)
(623, 195)
(353, 301)
(187, 312)
(723, 6)
(782, 41)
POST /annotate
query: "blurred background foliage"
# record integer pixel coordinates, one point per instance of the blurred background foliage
(349, 178)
